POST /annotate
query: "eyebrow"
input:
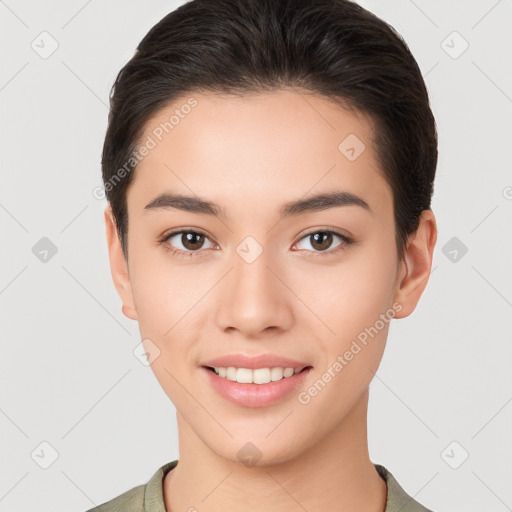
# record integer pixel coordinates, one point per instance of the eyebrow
(315, 203)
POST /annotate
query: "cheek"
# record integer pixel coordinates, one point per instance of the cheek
(351, 294)
(171, 309)
(162, 290)
(167, 300)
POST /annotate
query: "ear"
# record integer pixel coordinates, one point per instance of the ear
(415, 267)
(119, 265)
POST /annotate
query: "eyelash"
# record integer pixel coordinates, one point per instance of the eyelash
(346, 241)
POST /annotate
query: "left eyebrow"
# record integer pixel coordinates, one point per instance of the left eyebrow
(324, 202)
(311, 204)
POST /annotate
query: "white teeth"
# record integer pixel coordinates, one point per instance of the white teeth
(288, 372)
(257, 376)
(276, 374)
(260, 375)
(244, 375)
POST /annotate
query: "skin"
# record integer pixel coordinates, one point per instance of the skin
(251, 155)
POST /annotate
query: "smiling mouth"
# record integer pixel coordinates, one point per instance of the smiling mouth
(256, 376)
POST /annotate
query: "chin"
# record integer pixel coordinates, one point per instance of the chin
(257, 451)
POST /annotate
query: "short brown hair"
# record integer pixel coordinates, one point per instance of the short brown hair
(333, 48)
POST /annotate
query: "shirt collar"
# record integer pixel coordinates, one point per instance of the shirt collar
(397, 499)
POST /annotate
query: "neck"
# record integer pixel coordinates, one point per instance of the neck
(333, 474)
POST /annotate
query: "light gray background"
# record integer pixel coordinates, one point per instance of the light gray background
(68, 373)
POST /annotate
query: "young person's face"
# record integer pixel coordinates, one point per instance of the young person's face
(259, 283)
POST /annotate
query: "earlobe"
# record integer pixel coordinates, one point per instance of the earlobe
(119, 266)
(416, 266)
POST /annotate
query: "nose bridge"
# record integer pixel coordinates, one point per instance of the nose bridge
(253, 298)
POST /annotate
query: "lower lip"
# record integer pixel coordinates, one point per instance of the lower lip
(255, 395)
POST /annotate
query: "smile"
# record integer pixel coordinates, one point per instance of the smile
(254, 376)
(256, 387)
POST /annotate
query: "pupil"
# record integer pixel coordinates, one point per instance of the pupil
(189, 240)
(320, 235)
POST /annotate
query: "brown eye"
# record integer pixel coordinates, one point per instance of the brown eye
(322, 240)
(192, 241)
(185, 241)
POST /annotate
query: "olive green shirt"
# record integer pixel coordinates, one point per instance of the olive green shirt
(150, 498)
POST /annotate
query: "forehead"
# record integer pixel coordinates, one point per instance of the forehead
(279, 145)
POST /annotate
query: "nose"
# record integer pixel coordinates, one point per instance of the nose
(254, 298)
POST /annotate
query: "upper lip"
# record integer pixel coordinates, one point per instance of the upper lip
(252, 362)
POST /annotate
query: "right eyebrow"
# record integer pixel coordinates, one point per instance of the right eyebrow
(186, 203)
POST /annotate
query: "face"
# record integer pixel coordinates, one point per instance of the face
(249, 276)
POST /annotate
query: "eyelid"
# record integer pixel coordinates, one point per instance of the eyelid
(164, 239)
(326, 229)
(346, 241)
